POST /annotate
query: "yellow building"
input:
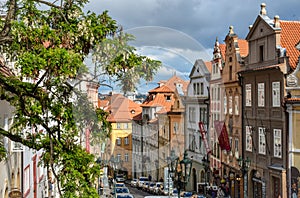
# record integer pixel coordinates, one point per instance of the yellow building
(122, 112)
(293, 109)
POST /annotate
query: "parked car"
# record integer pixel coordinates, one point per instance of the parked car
(145, 185)
(120, 178)
(119, 185)
(186, 194)
(158, 186)
(141, 182)
(121, 190)
(134, 182)
(124, 195)
(151, 187)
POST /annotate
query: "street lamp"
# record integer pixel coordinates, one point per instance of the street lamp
(206, 164)
(244, 166)
(182, 172)
(172, 166)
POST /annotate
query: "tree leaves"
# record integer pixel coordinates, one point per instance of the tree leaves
(43, 80)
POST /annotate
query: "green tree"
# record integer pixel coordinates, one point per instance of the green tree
(47, 44)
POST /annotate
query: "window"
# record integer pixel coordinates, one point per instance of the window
(261, 94)
(236, 105)
(236, 145)
(118, 157)
(194, 88)
(192, 114)
(230, 72)
(201, 88)
(261, 141)
(168, 98)
(230, 105)
(118, 125)
(276, 94)
(118, 141)
(176, 127)
(277, 143)
(192, 142)
(198, 89)
(248, 95)
(126, 157)
(248, 138)
(126, 140)
(261, 53)
(225, 104)
(203, 115)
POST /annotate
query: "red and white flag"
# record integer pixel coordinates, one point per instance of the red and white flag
(203, 134)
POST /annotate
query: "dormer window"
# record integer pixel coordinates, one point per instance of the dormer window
(168, 98)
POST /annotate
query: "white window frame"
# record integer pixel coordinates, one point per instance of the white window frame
(225, 104)
(236, 105)
(119, 157)
(261, 141)
(248, 95)
(119, 142)
(277, 143)
(125, 125)
(126, 140)
(126, 157)
(261, 94)
(118, 125)
(192, 114)
(276, 94)
(230, 105)
(236, 145)
(249, 142)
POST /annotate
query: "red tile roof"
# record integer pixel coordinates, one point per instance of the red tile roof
(158, 96)
(243, 45)
(289, 37)
(122, 109)
(223, 50)
(170, 85)
(209, 66)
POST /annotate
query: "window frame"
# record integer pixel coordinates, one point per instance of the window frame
(277, 134)
(262, 140)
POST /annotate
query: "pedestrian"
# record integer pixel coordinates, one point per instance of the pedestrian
(149, 177)
(161, 180)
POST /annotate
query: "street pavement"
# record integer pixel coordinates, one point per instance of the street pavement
(136, 192)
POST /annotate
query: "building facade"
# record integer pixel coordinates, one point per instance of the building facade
(197, 107)
(236, 50)
(293, 109)
(216, 110)
(263, 79)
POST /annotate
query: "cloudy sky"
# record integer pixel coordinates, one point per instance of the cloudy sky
(178, 32)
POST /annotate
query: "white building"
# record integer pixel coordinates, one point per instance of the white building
(197, 108)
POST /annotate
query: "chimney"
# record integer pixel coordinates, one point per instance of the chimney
(276, 22)
(263, 10)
